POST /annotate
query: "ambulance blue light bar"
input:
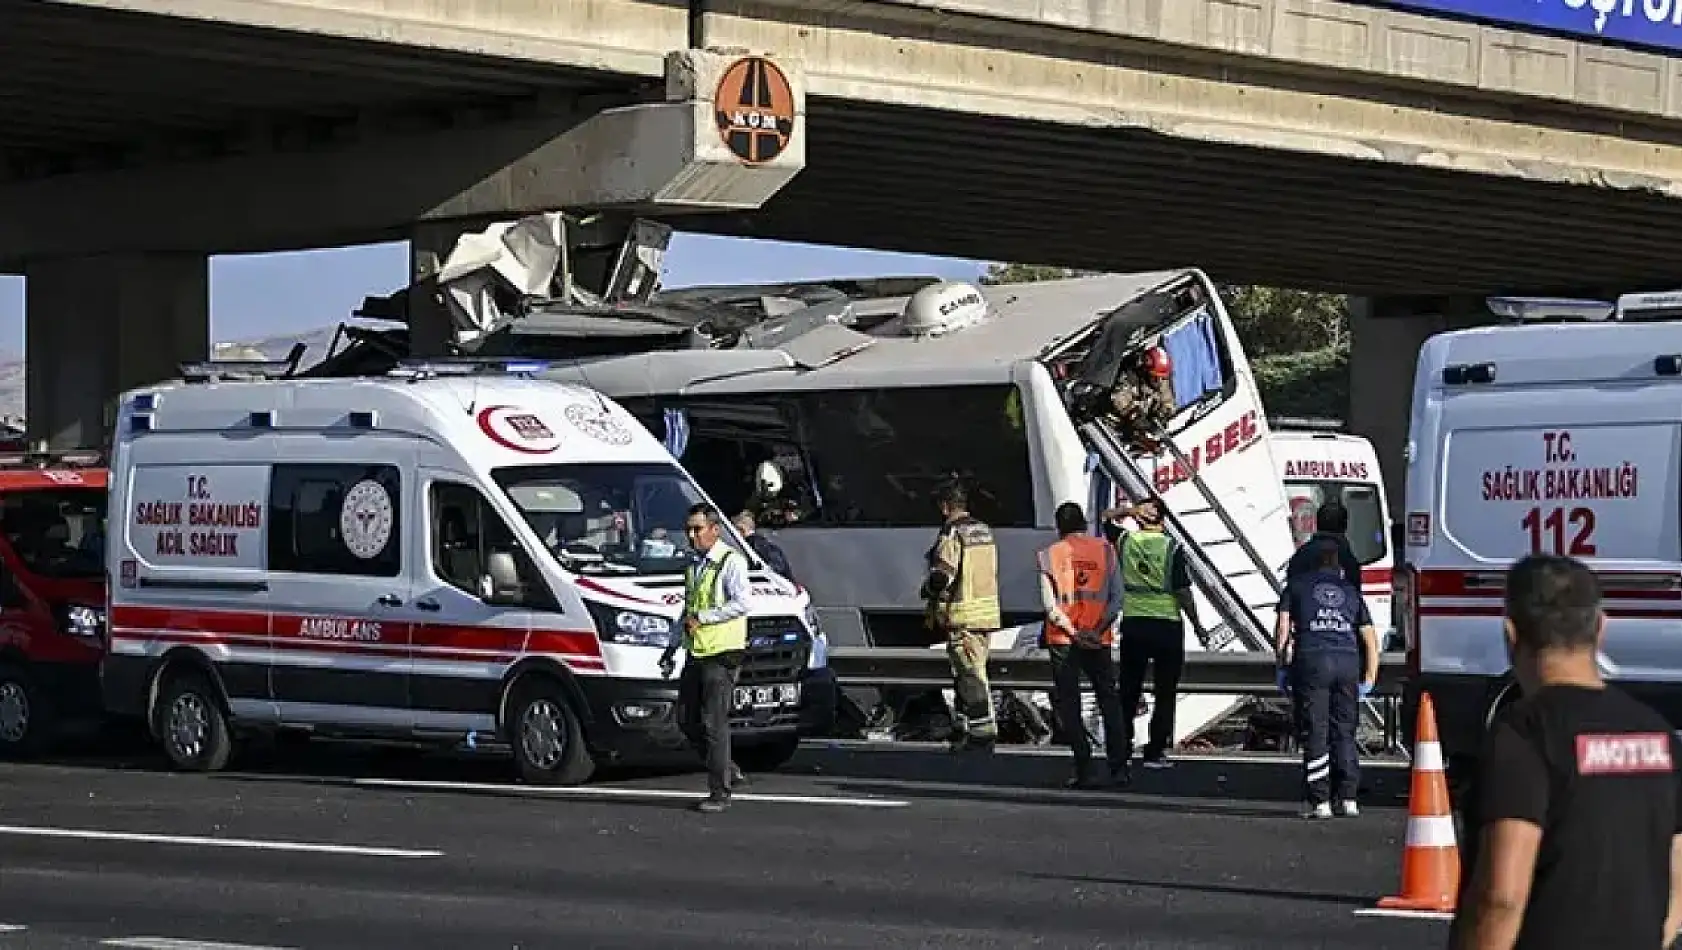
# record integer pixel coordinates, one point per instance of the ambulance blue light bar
(1540, 309)
(469, 366)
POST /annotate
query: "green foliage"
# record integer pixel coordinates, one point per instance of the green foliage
(1314, 383)
(1030, 273)
(1273, 322)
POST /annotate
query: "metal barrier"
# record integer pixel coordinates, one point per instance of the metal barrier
(1249, 674)
(1243, 673)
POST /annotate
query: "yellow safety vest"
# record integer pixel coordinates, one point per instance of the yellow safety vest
(702, 590)
(971, 602)
(1146, 557)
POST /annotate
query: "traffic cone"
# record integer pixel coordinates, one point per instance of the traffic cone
(1431, 858)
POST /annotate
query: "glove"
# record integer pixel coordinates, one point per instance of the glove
(1366, 690)
(1282, 679)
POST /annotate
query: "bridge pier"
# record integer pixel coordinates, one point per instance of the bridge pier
(1386, 334)
(96, 326)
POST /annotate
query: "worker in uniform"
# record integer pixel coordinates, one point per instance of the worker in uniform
(1080, 587)
(1156, 592)
(1574, 821)
(715, 636)
(1144, 401)
(1331, 523)
(961, 590)
(1328, 649)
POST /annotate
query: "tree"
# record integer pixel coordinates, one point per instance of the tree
(1030, 273)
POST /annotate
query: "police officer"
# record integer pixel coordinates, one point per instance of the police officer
(715, 634)
(1156, 591)
(1328, 653)
(1080, 586)
(962, 593)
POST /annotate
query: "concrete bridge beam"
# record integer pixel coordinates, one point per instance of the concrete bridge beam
(96, 326)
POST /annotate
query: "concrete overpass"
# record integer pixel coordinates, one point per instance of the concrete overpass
(1410, 158)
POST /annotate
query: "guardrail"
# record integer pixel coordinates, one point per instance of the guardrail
(1245, 673)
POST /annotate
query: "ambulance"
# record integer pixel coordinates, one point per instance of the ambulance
(451, 553)
(1559, 433)
(1317, 462)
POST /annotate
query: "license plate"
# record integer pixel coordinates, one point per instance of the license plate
(767, 697)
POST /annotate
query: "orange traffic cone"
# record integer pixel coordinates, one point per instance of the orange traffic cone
(1431, 859)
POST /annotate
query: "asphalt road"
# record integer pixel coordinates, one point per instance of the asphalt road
(343, 849)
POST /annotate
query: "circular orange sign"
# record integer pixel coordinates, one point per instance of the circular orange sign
(754, 108)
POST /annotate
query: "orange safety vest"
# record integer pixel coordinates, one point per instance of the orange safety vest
(1078, 567)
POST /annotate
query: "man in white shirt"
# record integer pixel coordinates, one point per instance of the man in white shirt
(715, 635)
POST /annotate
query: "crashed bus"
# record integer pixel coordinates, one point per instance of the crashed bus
(833, 409)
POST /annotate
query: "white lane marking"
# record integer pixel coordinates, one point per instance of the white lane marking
(172, 944)
(1409, 914)
(89, 834)
(603, 792)
(12, 928)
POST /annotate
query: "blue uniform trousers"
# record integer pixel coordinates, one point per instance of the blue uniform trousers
(1325, 685)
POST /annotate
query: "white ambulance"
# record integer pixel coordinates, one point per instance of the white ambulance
(1562, 437)
(1317, 462)
(449, 553)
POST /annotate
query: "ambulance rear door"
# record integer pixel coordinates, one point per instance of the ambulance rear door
(1319, 466)
(1586, 469)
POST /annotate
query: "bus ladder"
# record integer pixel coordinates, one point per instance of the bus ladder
(1258, 567)
(1237, 617)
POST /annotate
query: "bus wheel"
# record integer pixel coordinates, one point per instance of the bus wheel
(767, 756)
(547, 737)
(191, 724)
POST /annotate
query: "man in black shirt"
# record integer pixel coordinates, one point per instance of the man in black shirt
(1574, 829)
(1331, 523)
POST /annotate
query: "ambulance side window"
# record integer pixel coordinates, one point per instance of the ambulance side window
(307, 518)
(465, 531)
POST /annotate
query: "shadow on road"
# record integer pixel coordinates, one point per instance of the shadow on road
(1258, 781)
(1128, 800)
(1235, 890)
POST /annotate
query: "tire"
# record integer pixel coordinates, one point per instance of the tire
(190, 723)
(766, 756)
(27, 722)
(546, 735)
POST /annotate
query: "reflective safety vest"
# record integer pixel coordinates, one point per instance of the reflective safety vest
(703, 589)
(1145, 560)
(1079, 567)
(971, 601)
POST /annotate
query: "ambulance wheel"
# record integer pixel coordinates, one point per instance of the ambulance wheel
(547, 738)
(190, 723)
(26, 718)
(766, 756)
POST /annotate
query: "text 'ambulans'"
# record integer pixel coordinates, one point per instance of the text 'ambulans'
(1562, 478)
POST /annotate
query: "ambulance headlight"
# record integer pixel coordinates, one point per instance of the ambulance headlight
(634, 628)
(81, 620)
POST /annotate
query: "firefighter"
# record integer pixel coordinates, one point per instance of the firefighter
(1329, 648)
(962, 593)
(1144, 399)
(1080, 585)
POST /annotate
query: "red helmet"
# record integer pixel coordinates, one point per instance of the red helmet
(1157, 364)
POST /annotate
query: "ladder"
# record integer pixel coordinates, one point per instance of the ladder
(1237, 610)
